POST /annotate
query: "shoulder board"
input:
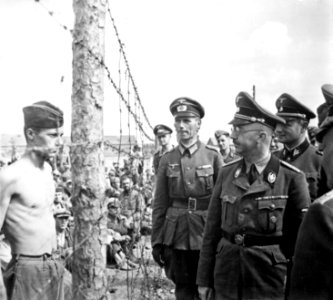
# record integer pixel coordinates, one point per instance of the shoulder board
(289, 166)
(212, 148)
(232, 162)
(158, 152)
(324, 198)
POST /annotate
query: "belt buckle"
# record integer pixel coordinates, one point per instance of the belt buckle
(239, 239)
(192, 203)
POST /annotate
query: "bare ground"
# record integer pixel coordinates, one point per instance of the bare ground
(146, 282)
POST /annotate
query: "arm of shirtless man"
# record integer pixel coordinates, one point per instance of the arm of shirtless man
(4, 203)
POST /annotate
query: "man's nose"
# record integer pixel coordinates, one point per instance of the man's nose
(278, 128)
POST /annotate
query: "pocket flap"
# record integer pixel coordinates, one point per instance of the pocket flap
(272, 204)
(173, 171)
(204, 171)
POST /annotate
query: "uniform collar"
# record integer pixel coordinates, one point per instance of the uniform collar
(292, 154)
(269, 175)
(161, 152)
(191, 149)
(260, 165)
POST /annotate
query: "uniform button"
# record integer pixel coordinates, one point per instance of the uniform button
(272, 206)
(190, 211)
(189, 182)
(188, 168)
(273, 219)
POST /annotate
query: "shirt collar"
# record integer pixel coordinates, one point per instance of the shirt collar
(260, 165)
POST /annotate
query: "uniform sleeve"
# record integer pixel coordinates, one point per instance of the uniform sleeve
(212, 235)
(160, 202)
(298, 202)
(312, 275)
(322, 183)
(218, 163)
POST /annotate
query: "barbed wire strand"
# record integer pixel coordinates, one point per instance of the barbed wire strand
(127, 65)
(120, 111)
(128, 116)
(101, 62)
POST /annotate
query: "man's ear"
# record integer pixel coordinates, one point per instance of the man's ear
(263, 135)
(30, 134)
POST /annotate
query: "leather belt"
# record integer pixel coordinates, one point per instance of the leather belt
(191, 203)
(248, 240)
(44, 256)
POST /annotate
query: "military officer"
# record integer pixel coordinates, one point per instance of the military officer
(223, 140)
(254, 214)
(163, 135)
(293, 134)
(312, 274)
(185, 181)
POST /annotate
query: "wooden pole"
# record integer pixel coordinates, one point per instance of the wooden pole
(87, 158)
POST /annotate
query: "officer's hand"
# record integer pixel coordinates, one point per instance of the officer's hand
(205, 293)
(158, 254)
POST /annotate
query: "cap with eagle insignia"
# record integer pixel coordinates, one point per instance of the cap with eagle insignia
(249, 111)
(161, 129)
(288, 106)
(325, 112)
(187, 107)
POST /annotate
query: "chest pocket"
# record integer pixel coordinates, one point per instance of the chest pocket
(205, 177)
(270, 213)
(228, 211)
(174, 178)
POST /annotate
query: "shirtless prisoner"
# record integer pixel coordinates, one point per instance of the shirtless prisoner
(26, 196)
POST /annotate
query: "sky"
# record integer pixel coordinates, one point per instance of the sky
(206, 50)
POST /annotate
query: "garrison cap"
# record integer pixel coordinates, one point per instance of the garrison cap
(186, 107)
(219, 133)
(162, 130)
(325, 112)
(249, 111)
(43, 115)
(288, 106)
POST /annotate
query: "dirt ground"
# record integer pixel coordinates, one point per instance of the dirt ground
(146, 282)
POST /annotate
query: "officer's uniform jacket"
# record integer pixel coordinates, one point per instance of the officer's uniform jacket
(156, 159)
(184, 185)
(312, 274)
(308, 159)
(271, 208)
(230, 157)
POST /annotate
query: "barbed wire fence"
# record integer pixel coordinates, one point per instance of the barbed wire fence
(148, 279)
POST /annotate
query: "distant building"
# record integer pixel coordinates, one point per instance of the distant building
(14, 144)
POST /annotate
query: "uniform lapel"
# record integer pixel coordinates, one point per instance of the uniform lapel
(267, 179)
(240, 179)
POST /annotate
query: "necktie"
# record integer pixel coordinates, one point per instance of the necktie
(253, 174)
